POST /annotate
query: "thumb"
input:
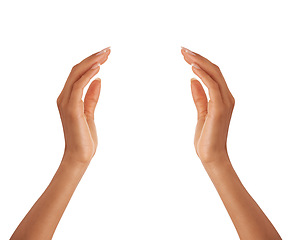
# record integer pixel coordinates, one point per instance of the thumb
(91, 98)
(199, 98)
(200, 101)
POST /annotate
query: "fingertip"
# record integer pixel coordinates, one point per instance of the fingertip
(193, 81)
(196, 86)
(107, 51)
(187, 51)
(183, 50)
(95, 85)
(96, 81)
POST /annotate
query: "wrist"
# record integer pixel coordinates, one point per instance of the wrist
(74, 162)
(217, 161)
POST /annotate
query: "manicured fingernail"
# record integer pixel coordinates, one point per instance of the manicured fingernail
(195, 65)
(95, 65)
(188, 51)
(102, 51)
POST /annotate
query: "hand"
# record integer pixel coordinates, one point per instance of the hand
(77, 116)
(214, 115)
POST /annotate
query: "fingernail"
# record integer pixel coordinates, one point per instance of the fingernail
(188, 51)
(195, 65)
(95, 65)
(102, 51)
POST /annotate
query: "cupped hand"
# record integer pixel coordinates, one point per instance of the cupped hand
(77, 116)
(213, 116)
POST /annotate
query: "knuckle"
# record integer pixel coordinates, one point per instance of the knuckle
(214, 85)
(59, 102)
(202, 114)
(216, 67)
(232, 102)
(77, 85)
(199, 100)
(74, 67)
(89, 114)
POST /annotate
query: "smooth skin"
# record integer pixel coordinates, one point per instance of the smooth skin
(81, 142)
(213, 119)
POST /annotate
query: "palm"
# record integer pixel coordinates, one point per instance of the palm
(80, 130)
(212, 125)
(210, 134)
(87, 128)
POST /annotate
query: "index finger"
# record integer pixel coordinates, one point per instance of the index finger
(211, 69)
(92, 63)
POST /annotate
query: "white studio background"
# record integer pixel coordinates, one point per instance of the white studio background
(145, 180)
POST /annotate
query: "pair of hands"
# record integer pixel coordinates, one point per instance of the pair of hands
(77, 116)
(81, 143)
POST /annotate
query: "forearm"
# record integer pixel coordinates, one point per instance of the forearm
(249, 220)
(43, 218)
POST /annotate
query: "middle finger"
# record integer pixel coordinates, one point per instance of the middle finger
(81, 68)
(211, 69)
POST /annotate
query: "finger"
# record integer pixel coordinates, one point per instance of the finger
(87, 63)
(198, 129)
(93, 130)
(199, 98)
(78, 87)
(90, 102)
(213, 87)
(91, 98)
(81, 68)
(200, 101)
(211, 69)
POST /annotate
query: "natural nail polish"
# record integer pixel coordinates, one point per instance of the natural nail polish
(95, 66)
(188, 51)
(102, 51)
(195, 65)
